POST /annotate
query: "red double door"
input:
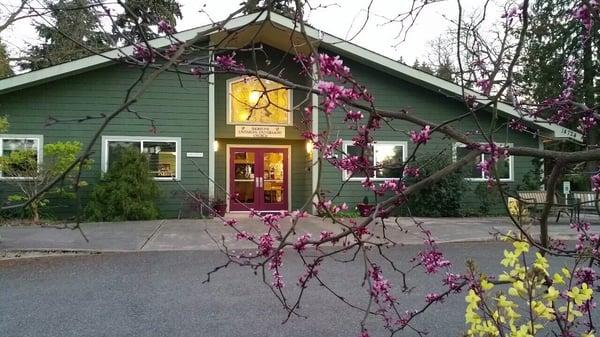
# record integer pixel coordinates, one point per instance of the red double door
(258, 179)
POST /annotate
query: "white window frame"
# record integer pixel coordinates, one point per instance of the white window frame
(345, 174)
(231, 81)
(511, 162)
(40, 150)
(176, 140)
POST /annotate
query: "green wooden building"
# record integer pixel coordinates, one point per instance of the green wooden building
(207, 139)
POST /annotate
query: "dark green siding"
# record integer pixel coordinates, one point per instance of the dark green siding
(178, 104)
(392, 93)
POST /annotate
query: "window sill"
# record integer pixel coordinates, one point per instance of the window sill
(480, 180)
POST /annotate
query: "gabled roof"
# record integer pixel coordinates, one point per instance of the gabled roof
(325, 40)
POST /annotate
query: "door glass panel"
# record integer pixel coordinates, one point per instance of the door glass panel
(243, 184)
(273, 177)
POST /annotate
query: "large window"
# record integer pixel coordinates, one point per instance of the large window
(387, 159)
(164, 154)
(258, 101)
(22, 154)
(504, 167)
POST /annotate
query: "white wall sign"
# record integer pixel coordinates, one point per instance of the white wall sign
(566, 187)
(257, 131)
(194, 154)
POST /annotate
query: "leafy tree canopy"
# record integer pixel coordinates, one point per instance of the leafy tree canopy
(73, 33)
(136, 22)
(5, 70)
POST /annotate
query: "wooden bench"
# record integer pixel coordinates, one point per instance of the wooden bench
(587, 201)
(534, 201)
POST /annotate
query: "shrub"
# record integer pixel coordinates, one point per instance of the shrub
(57, 157)
(126, 192)
(442, 198)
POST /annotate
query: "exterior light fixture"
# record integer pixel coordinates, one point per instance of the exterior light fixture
(254, 97)
(216, 145)
(309, 147)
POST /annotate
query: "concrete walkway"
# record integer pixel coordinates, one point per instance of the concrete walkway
(201, 234)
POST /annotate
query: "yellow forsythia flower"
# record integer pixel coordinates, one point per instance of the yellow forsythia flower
(582, 295)
(485, 285)
(558, 279)
(521, 247)
(552, 294)
(509, 259)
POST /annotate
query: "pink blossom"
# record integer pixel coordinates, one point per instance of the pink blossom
(380, 287)
(517, 125)
(353, 116)
(265, 244)
(581, 226)
(243, 235)
(325, 235)
(227, 62)
(587, 122)
(302, 241)
(142, 53)
(364, 333)
(411, 171)
(421, 137)
(165, 27)
(586, 275)
(333, 66)
(595, 179)
(453, 282)
(485, 85)
(271, 220)
(433, 297)
(277, 282)
(230, 222)
(433, 260)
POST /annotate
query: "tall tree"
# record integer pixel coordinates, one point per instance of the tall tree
(74, 33)
(5, 69)
(140, 16)
(554, 44)
(283, 7)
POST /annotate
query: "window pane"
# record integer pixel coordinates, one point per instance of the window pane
(116, 148)
(502, 167)
(352, 150)
(23, 157)
(273, 177)
(162, 158)
(469, 170)
(257, 101)
(244, 165)
(388, 158)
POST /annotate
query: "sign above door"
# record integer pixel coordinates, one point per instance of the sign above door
(258, 131)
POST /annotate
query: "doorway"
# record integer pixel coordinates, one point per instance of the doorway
(258, 178)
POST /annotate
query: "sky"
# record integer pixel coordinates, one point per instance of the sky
(342, 18)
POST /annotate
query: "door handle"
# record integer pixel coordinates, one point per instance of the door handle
(257, 181)
(261, 181)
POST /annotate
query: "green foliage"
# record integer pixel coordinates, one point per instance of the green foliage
(141, 15)
(442, 199)
(3, 124)
(5, 69)
(532, 179)
(126, 192)
(75, 18)
(283, 7)
(23, 163)
(551, 43)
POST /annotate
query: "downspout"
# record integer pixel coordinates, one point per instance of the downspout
(211, 129)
